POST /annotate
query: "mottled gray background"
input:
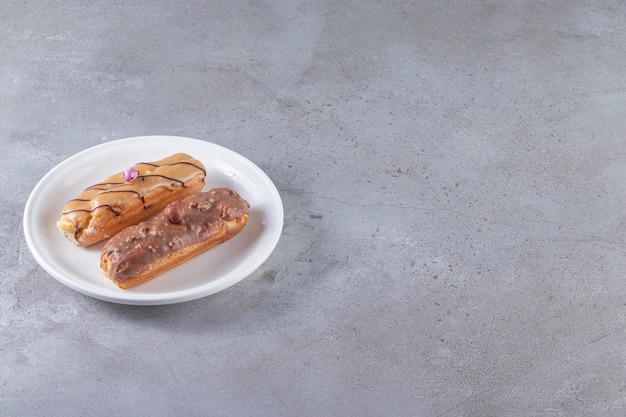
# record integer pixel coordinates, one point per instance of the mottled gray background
(453, 174)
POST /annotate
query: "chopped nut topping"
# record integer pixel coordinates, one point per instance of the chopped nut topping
(175, 211)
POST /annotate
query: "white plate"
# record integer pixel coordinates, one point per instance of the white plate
(213, 271)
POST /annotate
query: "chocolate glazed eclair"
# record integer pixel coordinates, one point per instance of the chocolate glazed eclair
(129, 197)
(184, 230)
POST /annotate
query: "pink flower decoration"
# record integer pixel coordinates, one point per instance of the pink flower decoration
(130, 174)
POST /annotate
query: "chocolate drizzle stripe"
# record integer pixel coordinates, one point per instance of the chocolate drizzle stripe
(118, 191)
(95, 186)
(174, 163)
(116, 185)
(117, 212)
(163, 176)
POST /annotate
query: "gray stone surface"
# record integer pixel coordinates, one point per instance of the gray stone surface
(454, 182)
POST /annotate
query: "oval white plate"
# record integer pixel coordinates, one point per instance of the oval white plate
(213, 271)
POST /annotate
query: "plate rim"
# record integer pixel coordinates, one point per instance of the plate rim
(171, 297)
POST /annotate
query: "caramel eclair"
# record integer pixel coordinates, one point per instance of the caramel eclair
(129, 197)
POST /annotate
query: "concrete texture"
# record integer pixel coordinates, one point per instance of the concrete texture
(454, 180)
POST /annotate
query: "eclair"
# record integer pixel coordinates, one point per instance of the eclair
(185, 229)
(129, 197)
